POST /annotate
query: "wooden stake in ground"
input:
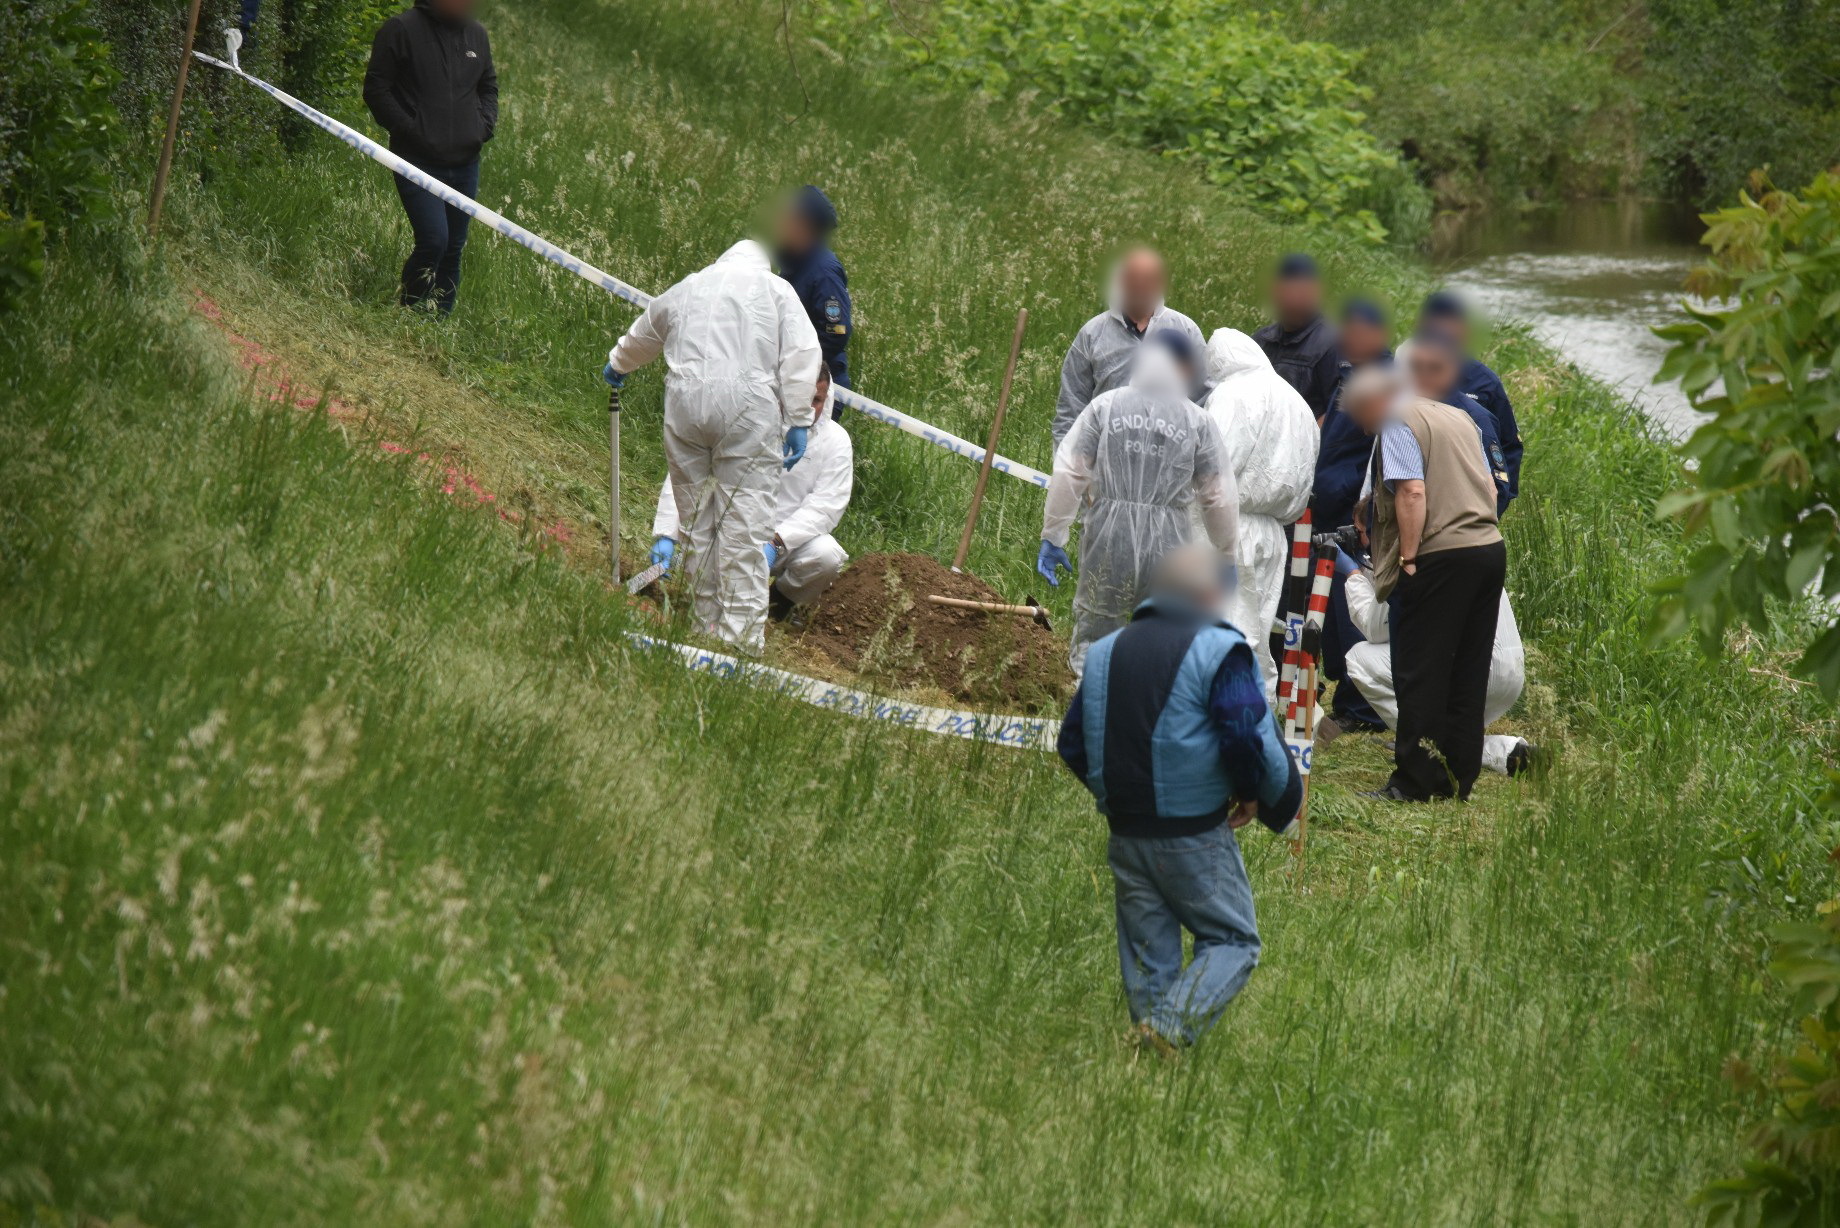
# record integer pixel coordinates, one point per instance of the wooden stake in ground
(158, 196)
(990, 447)
(1309, 681)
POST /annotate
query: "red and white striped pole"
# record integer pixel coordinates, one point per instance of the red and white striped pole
(1292, 626)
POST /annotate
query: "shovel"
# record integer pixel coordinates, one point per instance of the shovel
(1033, 609)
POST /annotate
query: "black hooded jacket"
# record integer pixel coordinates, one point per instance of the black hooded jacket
(432, 87)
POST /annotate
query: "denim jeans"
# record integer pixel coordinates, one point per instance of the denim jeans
(1167, 885)
(433, 268)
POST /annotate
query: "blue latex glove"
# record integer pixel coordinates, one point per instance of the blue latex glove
(1051, 559)
(614, 378)
(772, 554)
(663, 551)
(795, 444)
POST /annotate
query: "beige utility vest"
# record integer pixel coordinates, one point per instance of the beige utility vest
(1459, 492)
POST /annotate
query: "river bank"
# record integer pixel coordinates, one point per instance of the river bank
(1592, 279)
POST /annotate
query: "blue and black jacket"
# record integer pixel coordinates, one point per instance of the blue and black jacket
(1169, 728)
(1477, 379)
(1493, 451)
(824, 289)
(1341, 460)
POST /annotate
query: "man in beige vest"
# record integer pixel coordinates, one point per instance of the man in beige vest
(1438, 552)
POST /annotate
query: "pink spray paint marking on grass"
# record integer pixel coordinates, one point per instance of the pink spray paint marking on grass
(277, 386)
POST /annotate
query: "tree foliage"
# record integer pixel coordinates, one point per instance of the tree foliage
(57, 130)
(1794, 1178)
(1785, 54)
(1273, 120)
(1765, 470)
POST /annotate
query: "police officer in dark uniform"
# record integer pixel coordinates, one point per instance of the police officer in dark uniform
(1301, 343)
(802, 237)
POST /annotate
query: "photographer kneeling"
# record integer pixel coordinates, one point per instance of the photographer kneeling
(1370, 668)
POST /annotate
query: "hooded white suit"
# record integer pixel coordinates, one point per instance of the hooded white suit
(1143, 460)
(813, 496)
(1270, 439)
(743, 361)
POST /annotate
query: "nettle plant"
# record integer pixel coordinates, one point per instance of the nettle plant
(1765, 483)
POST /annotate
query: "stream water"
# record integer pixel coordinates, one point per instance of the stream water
(1591, 279)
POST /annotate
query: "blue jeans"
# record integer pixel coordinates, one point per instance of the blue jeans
(433, 268)
(1166, 885)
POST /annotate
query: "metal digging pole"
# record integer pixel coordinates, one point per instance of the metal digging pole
(172, 124)
(613, 483)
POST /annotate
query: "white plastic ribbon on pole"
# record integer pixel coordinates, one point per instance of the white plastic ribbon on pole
(1025, 732)
(587, 272)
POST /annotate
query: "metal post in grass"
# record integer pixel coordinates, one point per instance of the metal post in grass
(158, 196)
(990, 446)
(613, 482)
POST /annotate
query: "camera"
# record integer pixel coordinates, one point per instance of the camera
(1347, 539)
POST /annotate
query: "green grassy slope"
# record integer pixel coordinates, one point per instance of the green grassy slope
(351, 869)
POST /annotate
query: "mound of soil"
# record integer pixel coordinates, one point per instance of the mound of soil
(876, 621)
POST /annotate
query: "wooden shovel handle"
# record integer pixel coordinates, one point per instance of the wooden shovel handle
(996, 607)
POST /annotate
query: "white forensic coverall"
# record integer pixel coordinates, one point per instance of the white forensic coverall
(1370, 667)
(1139, 459)
(1271, 439)
(812, 497)
(743, 367)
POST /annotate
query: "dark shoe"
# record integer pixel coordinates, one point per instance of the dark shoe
(778, 608)
(1391, 793)
(1523, 758)
(1351, 723)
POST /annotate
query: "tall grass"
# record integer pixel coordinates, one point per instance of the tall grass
(353, 868)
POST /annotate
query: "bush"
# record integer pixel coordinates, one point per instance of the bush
(1704, 136)
(57, 129)
(313, 49)
(1765, 471)
(1275, 121)
(1794, 1179)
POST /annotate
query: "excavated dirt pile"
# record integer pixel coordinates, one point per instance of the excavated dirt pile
(876, 622)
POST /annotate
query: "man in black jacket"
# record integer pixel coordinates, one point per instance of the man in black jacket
(431, 86)
(1301, 343)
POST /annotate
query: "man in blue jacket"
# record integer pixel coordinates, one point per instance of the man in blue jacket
(1445, 314)
(802, 239)
(1341, 456)
(1170, 731)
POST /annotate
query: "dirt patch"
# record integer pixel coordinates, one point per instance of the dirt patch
(876, 622)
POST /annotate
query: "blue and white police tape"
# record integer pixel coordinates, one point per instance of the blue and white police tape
(1026, 732)
(581, 268)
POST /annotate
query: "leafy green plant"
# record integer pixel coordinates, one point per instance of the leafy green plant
(1274, 121)
(1794, 1179)
(57, 128)
(1765, 471)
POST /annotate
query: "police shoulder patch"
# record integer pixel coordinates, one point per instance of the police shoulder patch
(833, 309)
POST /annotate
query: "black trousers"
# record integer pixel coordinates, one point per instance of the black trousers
(1443, 638)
